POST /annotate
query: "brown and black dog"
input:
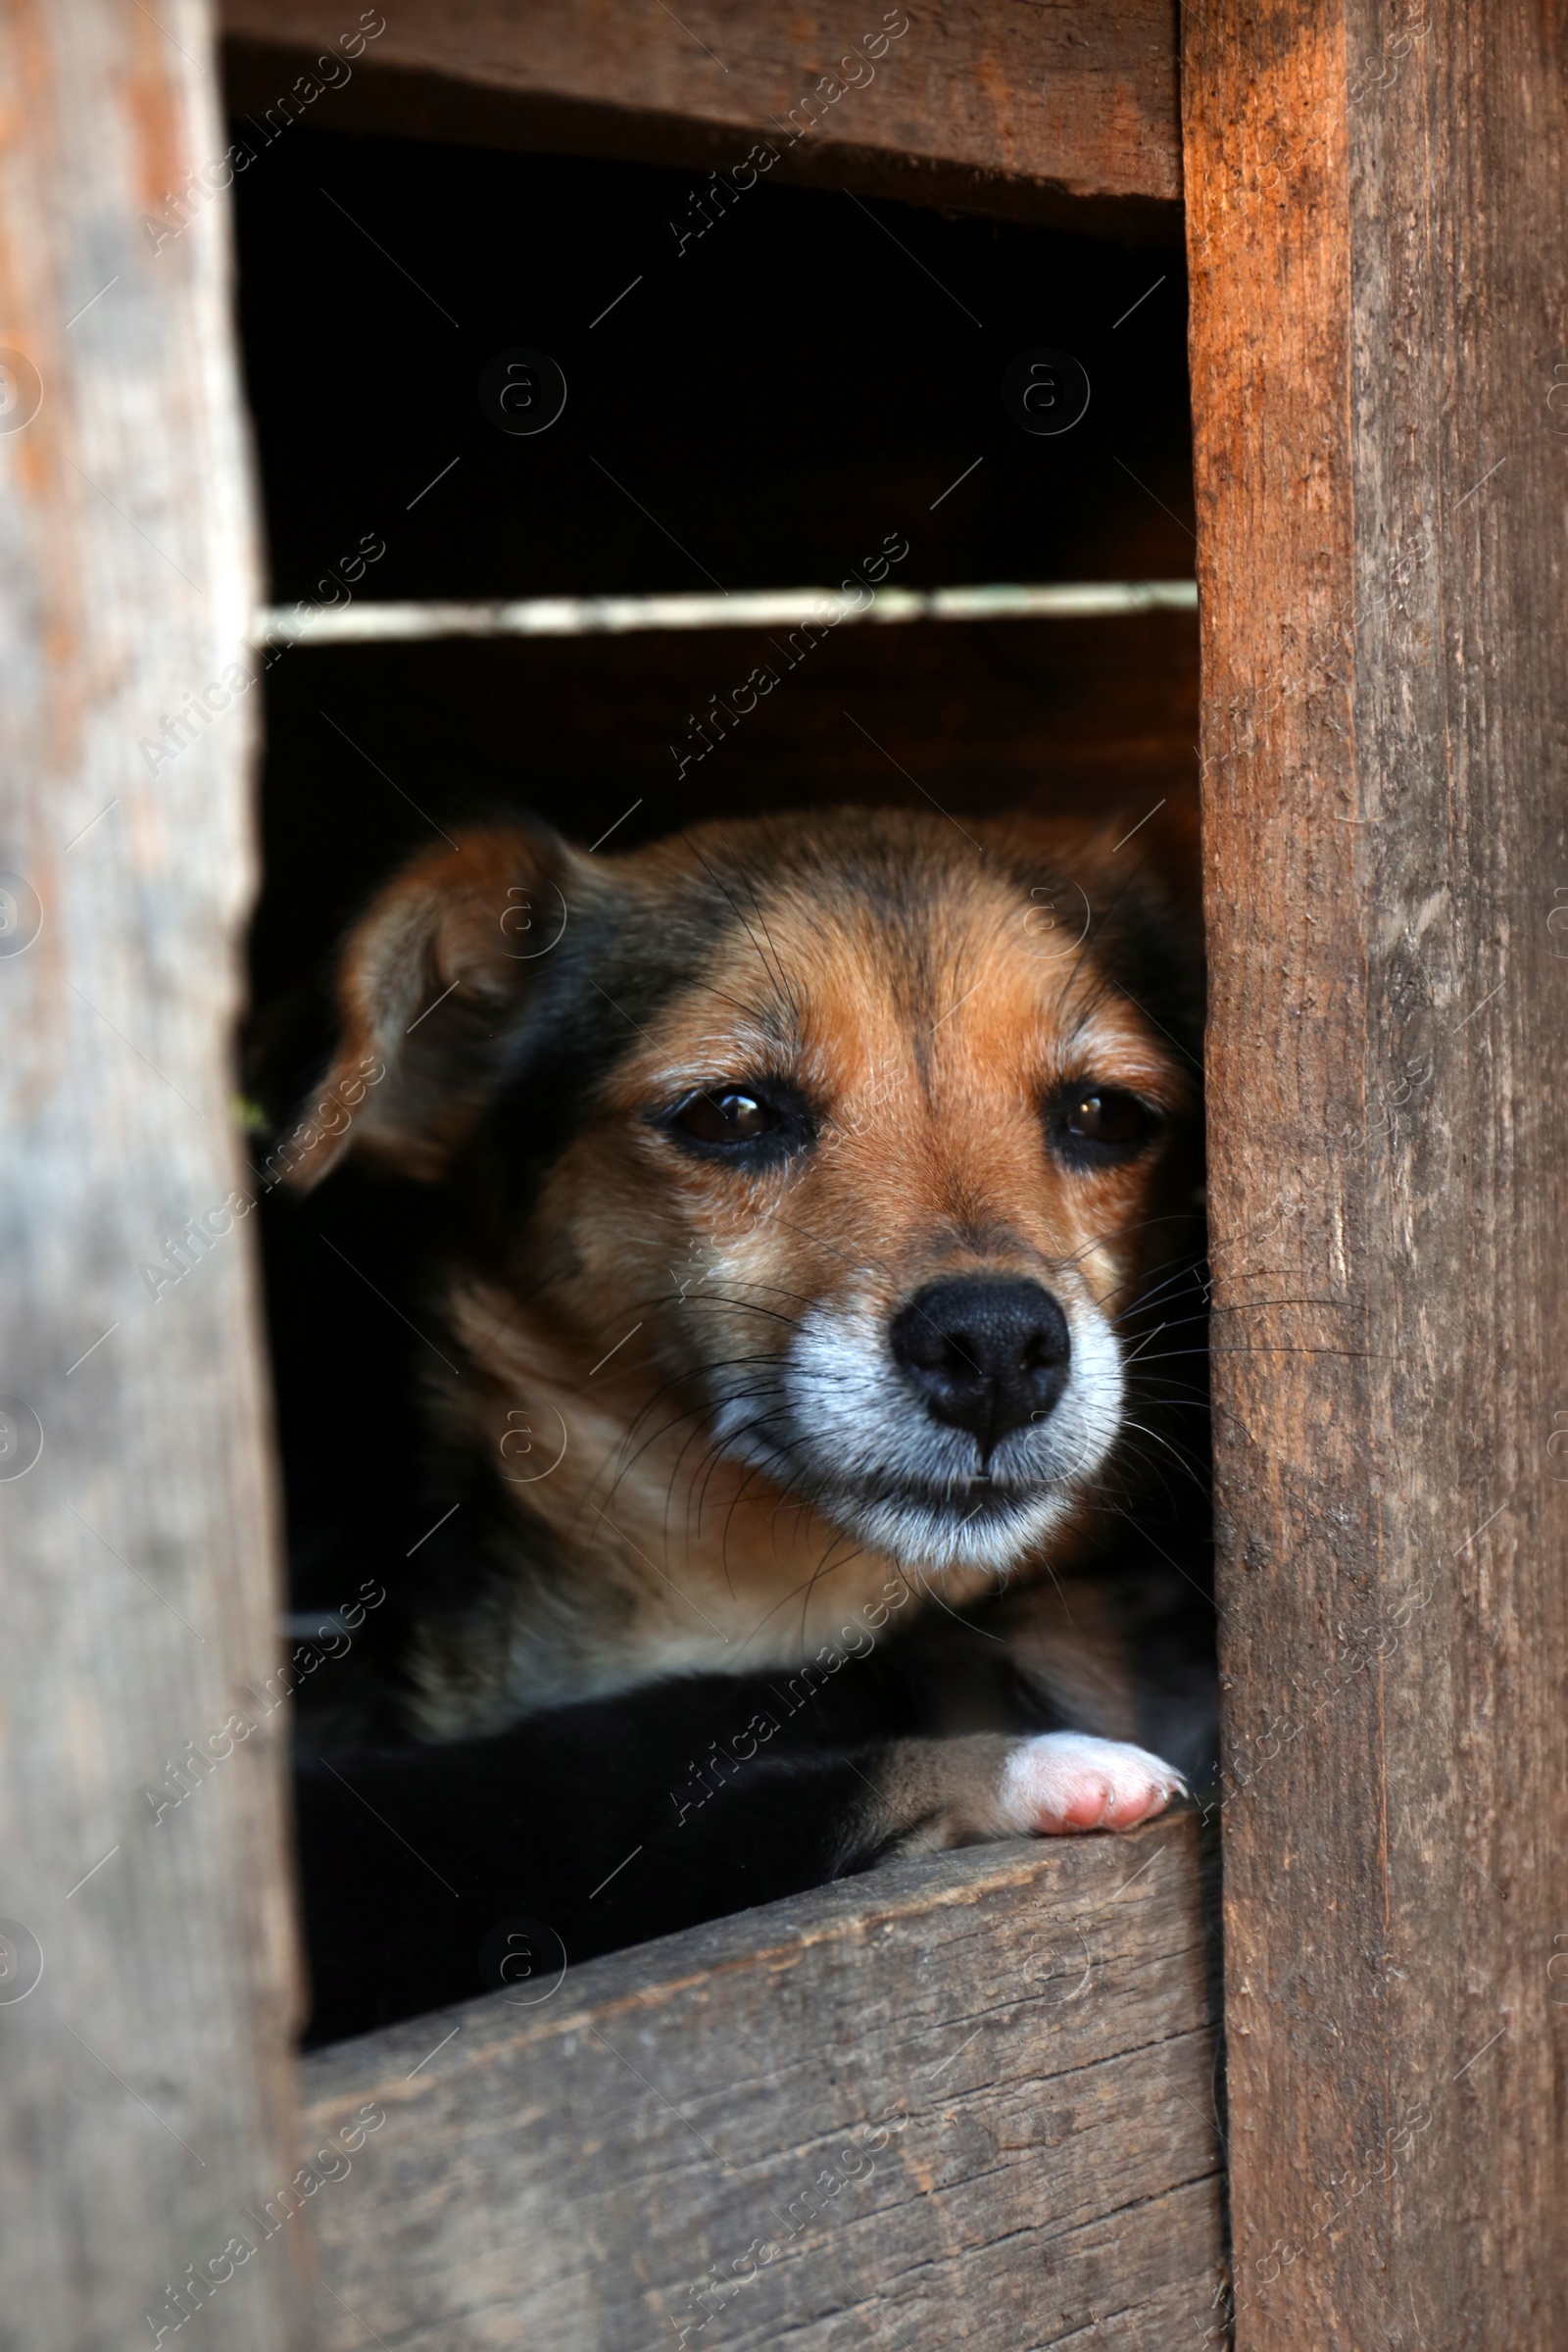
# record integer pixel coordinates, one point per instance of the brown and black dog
(812, 1188)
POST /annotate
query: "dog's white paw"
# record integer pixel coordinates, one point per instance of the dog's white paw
(1065, 1781)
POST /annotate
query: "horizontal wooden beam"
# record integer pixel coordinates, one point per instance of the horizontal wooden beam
(1033, 112)
(372, 623)
(965, 2101)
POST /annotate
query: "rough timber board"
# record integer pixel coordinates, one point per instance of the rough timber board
(968, 2101)
(1009, 109)
(1377, 222)
(146, 2079)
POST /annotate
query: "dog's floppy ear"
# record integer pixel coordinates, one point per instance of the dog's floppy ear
(1140, 871)
(1172, 854)
(1151, 849)
(431, 982)
(1160, 844)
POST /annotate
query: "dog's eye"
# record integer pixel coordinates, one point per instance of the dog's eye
(752, 1127)
(731, 1117)
(1105, 1116)
(1093, 1126)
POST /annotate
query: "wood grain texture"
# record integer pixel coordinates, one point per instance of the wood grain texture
(1008, 110)
(965, 2101)
(1375, 230)
(145, 2076)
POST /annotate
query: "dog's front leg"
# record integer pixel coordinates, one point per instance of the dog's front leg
(931, 1794)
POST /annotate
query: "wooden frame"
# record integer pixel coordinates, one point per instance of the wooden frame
(1375, 208)
(149, 2093)
(1068, 114)
(1375, 226)
(924, 2101)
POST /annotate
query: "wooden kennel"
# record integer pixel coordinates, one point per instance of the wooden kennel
(1019, 2042)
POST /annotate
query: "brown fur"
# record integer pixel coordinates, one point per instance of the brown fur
(928, 1025)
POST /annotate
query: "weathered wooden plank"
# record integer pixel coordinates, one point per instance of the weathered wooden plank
(147, 2089)
(1377, 225)
(968, 2098)
(1001, 110)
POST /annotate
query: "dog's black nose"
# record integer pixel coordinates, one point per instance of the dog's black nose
(988, 1356)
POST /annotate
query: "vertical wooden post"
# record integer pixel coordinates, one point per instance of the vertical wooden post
(148, 2097)
(1377, 227)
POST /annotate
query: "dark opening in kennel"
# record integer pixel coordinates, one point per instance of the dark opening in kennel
(775, 390)
(809, 391)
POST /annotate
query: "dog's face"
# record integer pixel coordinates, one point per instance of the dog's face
(857, 1134)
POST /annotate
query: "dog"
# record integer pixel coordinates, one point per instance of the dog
(811, 1190)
